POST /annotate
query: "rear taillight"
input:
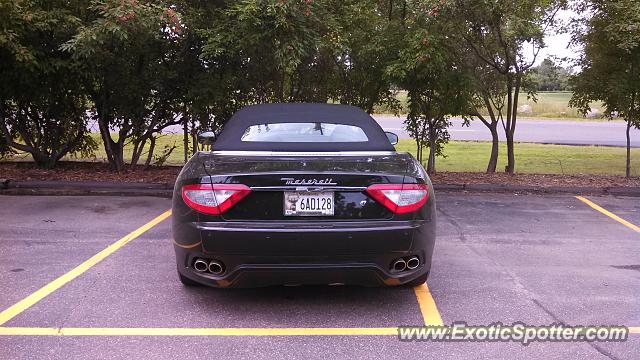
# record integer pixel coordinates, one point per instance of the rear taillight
(213, 199)
(400, 198)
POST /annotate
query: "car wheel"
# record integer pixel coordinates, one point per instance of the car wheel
(187, 282)
(418, 281)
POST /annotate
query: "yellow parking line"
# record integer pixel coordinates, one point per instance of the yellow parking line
(196, 331)
(36, 331)
(30, 300)
(609, 214)
(428, 306)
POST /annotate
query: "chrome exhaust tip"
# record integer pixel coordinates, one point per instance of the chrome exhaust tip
(200, 265)
(399, 265)
(215, 267)
(413, 263)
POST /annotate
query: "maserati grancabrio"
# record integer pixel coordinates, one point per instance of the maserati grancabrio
(292, 194)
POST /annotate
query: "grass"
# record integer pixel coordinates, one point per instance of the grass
(472, 156)
(549, 105)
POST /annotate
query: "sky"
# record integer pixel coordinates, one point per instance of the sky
(557, 44)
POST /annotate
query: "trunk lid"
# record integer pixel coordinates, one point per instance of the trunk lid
(346, 177)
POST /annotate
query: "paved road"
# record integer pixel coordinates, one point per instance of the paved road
(536, 259)
(609, 133)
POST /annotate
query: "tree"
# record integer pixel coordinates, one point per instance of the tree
(5, 149)
(282, 49)
(610, 62)
(497, 32)
(125, 51)
(42, 102)
(550, 77)
(366, 43)
(309, 51)
(489, 95)
(436, 83)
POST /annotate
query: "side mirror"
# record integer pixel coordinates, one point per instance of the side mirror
(393, 138)
(206, 138)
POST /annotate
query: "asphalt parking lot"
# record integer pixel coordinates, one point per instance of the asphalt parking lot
(537, 259)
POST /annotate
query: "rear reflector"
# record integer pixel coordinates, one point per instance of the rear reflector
(400, 198)
(213, 199)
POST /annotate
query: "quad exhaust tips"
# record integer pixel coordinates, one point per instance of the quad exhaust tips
(211, 266)
(406, 263)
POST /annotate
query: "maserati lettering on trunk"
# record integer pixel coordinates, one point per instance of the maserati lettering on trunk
(292, 181)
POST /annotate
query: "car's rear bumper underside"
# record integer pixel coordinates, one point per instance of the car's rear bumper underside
(288, 253)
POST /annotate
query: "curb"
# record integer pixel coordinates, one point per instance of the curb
(75, 188)
(71, 188)
(506, 188)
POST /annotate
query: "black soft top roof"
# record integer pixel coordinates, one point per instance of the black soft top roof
(230, 137)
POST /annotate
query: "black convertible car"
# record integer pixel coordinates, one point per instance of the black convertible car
(303, 194)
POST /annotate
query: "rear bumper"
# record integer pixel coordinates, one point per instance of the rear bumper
(307, 238)
(257, 275)
(263, 254)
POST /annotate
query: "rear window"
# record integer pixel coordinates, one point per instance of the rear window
(304, 132)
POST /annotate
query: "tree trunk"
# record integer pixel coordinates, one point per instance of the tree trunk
(431, 163)
(42, 160)
(628, 167)
(138, 148)
(194, 141)
(114, 150)
(510, 129)
(185, 135)
(495, 145)
(152, 147)
(111, 148)
(118, 156)
(509, 169)
(106, 138)
(194, 133)
(495, 140)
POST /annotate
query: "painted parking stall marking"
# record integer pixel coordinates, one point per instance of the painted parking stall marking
(32, 331)
(630, 225)
(609, 214)
(426, 305)
(40, 294)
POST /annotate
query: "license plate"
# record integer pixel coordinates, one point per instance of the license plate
(308, 203)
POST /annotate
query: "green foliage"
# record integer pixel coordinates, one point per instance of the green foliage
(293, 51)
(435, 80)
(498, 33)
(282, 49)
(128, 51)
(140, 66)
(42, 101)
(611, 62)
(550, 77)
(368, 42)
(610, 37)
(5, 149)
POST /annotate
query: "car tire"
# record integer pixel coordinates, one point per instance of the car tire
(418, 281)
(187, 282)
